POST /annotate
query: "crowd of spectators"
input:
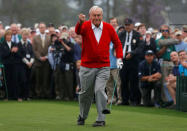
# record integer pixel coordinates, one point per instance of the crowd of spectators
(43, 62)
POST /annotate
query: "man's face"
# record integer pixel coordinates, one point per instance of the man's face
(174, 56)
(165, 32)
(96, 17)
(142, 30)
(114, 23)
(25, 36)
(184, 33)
(8, 37)
(182, 56)
(14, 30)
(42, 28)
(72, 33)
(149, 58)
(51, 30)
(128, 27)
(179, 37)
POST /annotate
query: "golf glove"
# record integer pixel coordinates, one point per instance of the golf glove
(119, 63)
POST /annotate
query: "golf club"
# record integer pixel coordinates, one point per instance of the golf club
(108, 111)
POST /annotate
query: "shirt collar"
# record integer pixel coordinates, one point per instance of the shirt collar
(42, 35)
(100, 26)
(15, 35)
(23, 41)
(9, 42)
(130, 32)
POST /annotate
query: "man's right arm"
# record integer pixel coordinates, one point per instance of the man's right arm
(78, 27)
(161, 51)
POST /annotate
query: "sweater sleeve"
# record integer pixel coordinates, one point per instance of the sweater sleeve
(117, 43)
(79, 28)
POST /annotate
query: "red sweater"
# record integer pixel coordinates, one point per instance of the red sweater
(94, 54)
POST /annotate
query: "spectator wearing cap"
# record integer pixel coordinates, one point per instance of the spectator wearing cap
(163, 53)
(64, 28)
(57, 31)
(136, 25)
(41, 43)
(184, 33)
(150, 75)
(182, 45)
(132, 48)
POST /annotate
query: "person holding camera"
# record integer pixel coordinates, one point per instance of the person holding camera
(55, 54)
(67, 67)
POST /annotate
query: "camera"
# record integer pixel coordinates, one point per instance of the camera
(58, 48)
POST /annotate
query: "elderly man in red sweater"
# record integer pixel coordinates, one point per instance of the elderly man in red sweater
(95, 63)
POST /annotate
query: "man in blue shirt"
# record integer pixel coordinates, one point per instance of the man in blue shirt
(171, 79)
(150, 76)
(183, 63)
(182, 45)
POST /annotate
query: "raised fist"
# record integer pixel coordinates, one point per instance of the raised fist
(82, 18)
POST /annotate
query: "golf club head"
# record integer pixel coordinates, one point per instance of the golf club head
(106, 111)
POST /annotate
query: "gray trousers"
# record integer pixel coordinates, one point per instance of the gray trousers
(93, 80)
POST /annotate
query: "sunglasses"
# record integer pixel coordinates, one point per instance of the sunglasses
(185, 31)
(165, 31)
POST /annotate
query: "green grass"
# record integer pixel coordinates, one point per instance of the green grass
(62, 116)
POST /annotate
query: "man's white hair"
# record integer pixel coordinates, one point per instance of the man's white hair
(93, 8)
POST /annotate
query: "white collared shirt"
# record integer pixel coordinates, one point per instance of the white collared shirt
(15, 38)
(97, 31)
(127, 43)
(42, 36)
(23, 42)
(43, 39)
(9, 44)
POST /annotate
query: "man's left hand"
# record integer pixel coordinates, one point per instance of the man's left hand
(128, 56)
(119, 63)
